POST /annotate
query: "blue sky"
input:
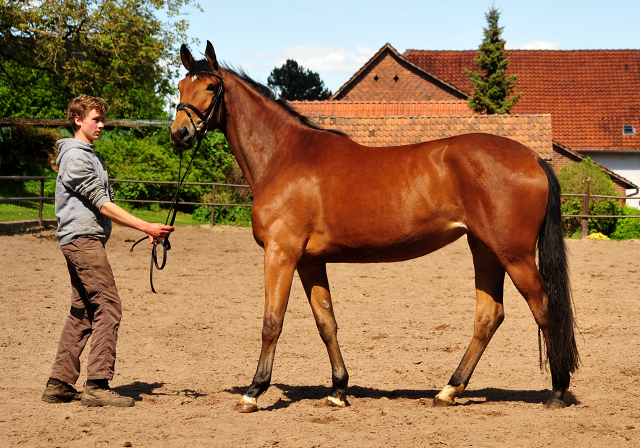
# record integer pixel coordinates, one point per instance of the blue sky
(335, 38)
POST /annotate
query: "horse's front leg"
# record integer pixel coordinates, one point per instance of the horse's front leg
(278, 272)
(316, 285)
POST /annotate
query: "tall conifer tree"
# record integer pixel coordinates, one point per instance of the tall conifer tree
(491, 89)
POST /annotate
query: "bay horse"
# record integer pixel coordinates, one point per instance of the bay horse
(320, 198)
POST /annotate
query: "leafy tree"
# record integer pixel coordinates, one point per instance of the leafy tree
(491, 89)
(293, 82)
(573, 180)
(54, 50)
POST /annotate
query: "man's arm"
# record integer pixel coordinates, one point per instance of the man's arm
(121, 216)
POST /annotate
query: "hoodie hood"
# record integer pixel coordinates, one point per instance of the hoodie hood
(66, 144)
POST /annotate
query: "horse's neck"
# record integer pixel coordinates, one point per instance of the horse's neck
(255, 129)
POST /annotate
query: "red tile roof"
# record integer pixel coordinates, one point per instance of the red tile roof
(381, 108)
(533, 131)
(591, 94)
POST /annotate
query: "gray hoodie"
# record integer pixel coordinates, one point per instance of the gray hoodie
(82, 187)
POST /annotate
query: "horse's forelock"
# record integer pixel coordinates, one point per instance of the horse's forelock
(201, 67)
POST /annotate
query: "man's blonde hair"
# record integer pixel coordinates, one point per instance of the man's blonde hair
(82, 105)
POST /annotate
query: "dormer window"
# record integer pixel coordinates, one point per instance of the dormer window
(627, 129)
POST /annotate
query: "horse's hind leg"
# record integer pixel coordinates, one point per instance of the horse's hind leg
(489, 315)
(527, 279)
(278, 273)
(316, 285)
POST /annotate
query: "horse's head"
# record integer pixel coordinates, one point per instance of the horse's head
(201, 97)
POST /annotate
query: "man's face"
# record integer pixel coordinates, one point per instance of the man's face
(91, 127)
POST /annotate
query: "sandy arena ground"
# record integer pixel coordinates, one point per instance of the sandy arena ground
(187, 354)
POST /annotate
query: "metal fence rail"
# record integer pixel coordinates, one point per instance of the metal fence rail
(585, 216)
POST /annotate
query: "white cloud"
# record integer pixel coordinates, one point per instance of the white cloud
(535, 45)
(320, 58)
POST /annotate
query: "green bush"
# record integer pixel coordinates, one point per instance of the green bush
(573, 180)
(235, 216)
(627, 228)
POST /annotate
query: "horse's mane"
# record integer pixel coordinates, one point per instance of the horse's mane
(203, 67)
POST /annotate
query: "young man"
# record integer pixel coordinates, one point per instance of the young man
(85, 210)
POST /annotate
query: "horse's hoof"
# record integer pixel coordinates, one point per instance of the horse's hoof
(245, 407)
(332, 402)
(440, 403)
(554, 403)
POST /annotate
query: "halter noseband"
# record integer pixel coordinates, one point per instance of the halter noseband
(202, 128)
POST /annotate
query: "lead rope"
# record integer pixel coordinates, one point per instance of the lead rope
(201, 130)
(166, 245)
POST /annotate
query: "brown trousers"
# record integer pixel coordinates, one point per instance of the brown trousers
(95, 311)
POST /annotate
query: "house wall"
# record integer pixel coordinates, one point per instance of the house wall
(624, 163)
(409, 86)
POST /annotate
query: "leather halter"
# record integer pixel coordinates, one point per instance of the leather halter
(201, 130)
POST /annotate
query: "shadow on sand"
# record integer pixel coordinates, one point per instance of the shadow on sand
(469, 397)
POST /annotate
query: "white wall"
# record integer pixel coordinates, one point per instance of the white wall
(624, 163)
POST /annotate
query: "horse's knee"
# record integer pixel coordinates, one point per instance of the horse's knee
(271, 329)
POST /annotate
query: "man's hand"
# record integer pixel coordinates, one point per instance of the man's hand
(159, 231)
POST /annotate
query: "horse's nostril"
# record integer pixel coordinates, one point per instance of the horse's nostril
(181, 135)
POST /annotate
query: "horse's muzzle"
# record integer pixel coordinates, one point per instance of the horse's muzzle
(183, 137)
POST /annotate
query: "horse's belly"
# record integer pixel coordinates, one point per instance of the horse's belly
(380, 246)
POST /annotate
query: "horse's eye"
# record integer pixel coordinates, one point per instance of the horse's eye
(211, 87)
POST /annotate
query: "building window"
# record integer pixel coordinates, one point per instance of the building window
(627, 129)
(395, 78)
(375, 78)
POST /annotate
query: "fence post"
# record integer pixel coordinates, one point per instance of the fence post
(585, 210)
(213, 207)
(41, 202)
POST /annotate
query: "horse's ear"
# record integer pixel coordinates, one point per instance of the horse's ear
(187, 58)
(211, 56)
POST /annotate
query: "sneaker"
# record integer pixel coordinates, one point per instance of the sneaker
(60, 393)
(95, 396)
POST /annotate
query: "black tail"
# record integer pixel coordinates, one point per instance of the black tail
(552, 263)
